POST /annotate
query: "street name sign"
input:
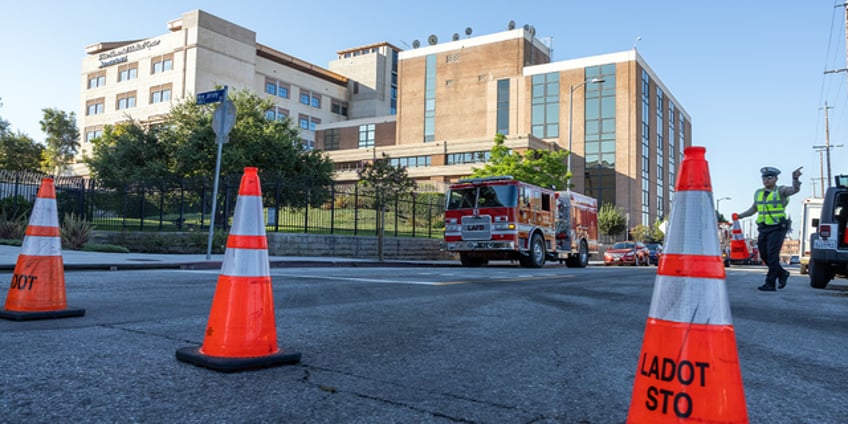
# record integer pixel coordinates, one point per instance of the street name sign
(215, 96)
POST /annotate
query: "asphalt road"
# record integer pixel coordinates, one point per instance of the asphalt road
(496, 344)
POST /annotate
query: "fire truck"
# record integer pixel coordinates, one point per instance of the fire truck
(501, 218)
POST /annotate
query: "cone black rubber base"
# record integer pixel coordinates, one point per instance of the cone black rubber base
(28, 316)
(192, 355)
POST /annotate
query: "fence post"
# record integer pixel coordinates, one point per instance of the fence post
(16, 191)
(397, 212)
(182, 205)
(225, 220)
(161, 204)
(332, 207)
(306, 213)
(82, 199)
(414, 196)
(277, 205)
(126, 199)
(202, 202)
(430, 218)
(141, 214)
(355, 209)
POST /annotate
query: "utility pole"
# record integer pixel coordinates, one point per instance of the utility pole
(827, 145)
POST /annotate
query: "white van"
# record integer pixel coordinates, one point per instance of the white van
(810, 212)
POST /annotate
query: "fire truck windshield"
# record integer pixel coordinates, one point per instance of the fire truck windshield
(482, 197)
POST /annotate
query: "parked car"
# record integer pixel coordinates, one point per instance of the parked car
(628, 253)
(656, 251)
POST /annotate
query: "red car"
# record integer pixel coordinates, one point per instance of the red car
(628, 253)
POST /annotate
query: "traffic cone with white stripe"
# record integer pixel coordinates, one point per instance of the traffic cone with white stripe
(241, 333)
(738, 245)
(38, 284)
(688, 369)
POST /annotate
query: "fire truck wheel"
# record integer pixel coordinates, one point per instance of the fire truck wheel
(536, 259)
(581, 259)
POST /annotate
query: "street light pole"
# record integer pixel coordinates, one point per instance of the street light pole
(718, 202)
(571, 118)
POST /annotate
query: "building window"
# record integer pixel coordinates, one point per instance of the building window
(313, 123)
(127, 72)
(367, 134)
(276, 113)
(544, 112)
(303, 121)
(410, 162)
(672, 140)
(125, 100)
(338, 107)
(93, 132)
(160, 93)
(430, 99)
(95, 106)
(660, 151)
(162, 63)
(599, 133)
(503, 106)
(97, 79)
(468, 157)
(305, 97)
(332, 138)
(646, 147)
(276, 88)
(393, 99)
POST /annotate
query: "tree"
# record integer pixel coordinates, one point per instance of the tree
(648, 234)
(184, 146)
(18, 152)
(543, 168)
(387, 182)
(611, 220)
(273, 146)
(128, 153)
(62, 139)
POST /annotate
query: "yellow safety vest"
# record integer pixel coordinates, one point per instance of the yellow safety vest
(770, 210)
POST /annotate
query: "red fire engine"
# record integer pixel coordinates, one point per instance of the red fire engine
(501, 218)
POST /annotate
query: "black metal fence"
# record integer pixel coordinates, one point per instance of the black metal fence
(186, 205)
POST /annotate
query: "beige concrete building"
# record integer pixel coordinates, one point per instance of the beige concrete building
(142, 79)
(434, 109)
(626, 129)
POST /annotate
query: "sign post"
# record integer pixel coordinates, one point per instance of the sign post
(223, 120)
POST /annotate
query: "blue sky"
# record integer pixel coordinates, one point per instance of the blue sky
(750, 73)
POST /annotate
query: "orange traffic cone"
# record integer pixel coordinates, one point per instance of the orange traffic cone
(38, 284)
(688, 369)
(738, 245)
(241, 332)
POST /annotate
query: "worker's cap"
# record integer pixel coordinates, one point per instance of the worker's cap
(769, 171)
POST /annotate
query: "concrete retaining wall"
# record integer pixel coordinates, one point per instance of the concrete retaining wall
(282, 244)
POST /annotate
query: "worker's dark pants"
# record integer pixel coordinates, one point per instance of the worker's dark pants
(770, 241)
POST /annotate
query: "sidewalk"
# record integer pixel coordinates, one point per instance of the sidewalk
(80, 260)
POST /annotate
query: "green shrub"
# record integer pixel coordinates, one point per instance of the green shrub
(12, 227)
(75, 232)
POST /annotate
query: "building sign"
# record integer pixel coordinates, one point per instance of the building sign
(120, 55)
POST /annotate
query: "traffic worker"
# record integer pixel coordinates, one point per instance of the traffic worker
(772, 223)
